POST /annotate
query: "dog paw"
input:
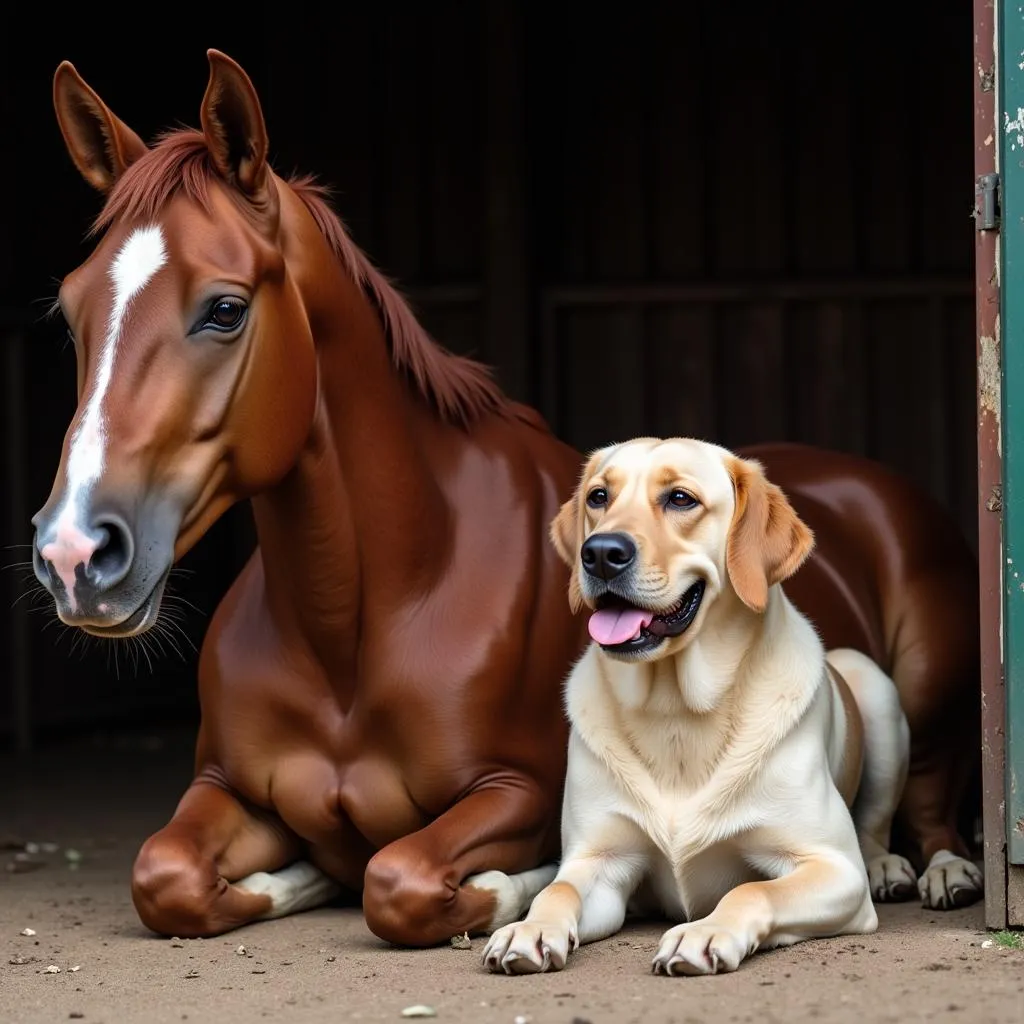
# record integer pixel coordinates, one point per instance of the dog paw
(529, 947)
(950, 882)
(703, 947)
(891, 878)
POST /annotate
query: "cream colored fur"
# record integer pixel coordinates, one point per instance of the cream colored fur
(702, 778)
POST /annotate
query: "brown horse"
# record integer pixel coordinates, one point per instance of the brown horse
(381, 687)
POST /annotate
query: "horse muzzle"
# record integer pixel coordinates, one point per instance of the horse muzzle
(105, 575)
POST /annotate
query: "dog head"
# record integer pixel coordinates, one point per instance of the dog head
(658, 531)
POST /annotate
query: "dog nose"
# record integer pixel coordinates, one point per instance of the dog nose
(607, 555)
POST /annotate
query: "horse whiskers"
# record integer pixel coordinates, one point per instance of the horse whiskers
(34, 595)
(169, 627)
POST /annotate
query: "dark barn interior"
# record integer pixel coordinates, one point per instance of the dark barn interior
(677, 219)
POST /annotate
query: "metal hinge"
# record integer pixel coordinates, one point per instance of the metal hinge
(986, 202)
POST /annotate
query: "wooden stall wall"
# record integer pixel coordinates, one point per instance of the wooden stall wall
(758, 227)
(670, 218)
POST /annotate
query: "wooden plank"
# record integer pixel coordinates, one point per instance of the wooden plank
(401, 115)
(681, 100)
(752, 358)
(506, 269)
(960, 394)
(821, 159)
(898, 425)
(603, 384)
(859, 390)
(745, 151)
(681, 369)
(944, 164)
(886, 205)
(471, 124)
(988, 496)
(312, 113)
(818, 397)
(458, 324)
(619, 165)
(573, 119)
(18, 648)
(739, 290)
(931, 384)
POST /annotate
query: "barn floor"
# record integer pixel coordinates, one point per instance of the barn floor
(96, 801)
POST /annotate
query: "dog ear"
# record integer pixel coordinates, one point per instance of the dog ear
(564, 534)
(564, 530)
(767, 540)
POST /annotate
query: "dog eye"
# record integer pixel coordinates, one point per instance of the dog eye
(597, 498)
(680, 499)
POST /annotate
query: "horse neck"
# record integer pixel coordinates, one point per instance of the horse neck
(360, 512)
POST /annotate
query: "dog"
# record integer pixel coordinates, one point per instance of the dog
(722, 770)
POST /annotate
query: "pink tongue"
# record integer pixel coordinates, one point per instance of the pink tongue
(611, 626)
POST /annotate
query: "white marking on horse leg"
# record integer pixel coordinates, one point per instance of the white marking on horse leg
(512, 893)
(298, 887)
(950, 882)
(139, 258)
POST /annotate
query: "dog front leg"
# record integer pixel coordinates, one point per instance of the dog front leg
(822, 896)
(586, 902)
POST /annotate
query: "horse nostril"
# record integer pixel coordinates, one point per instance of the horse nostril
(38, 562)
(113, 555)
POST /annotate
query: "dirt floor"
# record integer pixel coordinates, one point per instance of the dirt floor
(93, 803)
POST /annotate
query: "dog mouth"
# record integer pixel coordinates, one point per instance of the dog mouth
(621, 627)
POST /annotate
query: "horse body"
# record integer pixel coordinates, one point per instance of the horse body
(381, 688)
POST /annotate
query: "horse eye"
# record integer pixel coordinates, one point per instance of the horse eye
(597, 498)
(227, 314)
(680, 499)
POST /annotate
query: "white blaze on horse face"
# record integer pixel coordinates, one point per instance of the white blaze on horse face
(139, 258)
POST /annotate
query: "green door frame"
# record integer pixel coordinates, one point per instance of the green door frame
(999, 51)
(1010, 60)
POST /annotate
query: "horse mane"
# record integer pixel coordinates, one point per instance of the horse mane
(461, 390)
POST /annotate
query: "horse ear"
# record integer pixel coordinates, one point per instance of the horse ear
(101, 145)
(233, 125)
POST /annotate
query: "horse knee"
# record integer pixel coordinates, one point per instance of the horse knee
(404, 904)
(172, 891)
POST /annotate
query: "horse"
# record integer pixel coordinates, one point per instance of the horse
(381, 686)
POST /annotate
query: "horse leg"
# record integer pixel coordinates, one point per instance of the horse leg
(936, 673)
(473, 869)
(217, 865)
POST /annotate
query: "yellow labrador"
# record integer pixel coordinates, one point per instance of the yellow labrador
(715, 753)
